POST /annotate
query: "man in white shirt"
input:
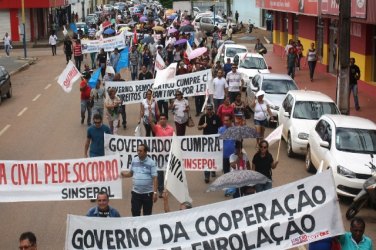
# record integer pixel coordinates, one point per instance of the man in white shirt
(7, 43)
(52, 41)
(220, 89)
(235, 82)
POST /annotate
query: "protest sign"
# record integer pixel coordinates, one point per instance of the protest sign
(189, 84)
(54, 180)
(199, 152)
(108, 44)
(280, 218)
(69, 75)
(165, 75)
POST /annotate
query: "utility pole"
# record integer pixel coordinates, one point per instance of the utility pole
(23, 28)
(344, 56)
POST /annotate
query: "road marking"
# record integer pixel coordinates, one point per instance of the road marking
(57, 77)
(48, 85)
(22, 111)
(36, 98)
(4, 129)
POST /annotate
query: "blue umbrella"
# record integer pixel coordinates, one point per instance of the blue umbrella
(109, 31)
(148, 39)
(143, 18)
(172, 17)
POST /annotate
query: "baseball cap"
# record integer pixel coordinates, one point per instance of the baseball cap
(209, 106)
(260, 93)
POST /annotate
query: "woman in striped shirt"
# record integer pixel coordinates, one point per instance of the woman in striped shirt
(77, 54)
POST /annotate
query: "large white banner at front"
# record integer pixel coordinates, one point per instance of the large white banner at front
(108, 44)
(54, 180)
(280, 218)
(189, 84)
(198, 152)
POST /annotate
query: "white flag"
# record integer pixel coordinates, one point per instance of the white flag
(165, 75)
(275, 135)
(65, 32)
(175, 179)
(159, 63)
(68, 77)
(189, 49)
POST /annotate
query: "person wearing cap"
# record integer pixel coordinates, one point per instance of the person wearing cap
(235, 82)
(239, 161)
(209, 123)
(85, 99)
(261, 109)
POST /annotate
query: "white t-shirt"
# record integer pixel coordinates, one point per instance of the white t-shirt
(219, 86)
(261, 110)
(179, 115)
(146, 103)
(7, 40)
(234, 81)
(52, 40)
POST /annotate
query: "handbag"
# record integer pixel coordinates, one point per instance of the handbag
(191, 123)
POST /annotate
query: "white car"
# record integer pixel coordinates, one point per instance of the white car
(299, 112)
(275, 87)
(229, 51)
(252, 64)
(346, 145)
(108, 7)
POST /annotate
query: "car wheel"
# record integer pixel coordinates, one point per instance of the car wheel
(308, 162)
(9, 94)
(290, 153)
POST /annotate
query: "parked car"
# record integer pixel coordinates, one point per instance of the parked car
(299, 112)
(207, 24)
(345, 144)
(229, 51)
(108, 7)
(5, 84)
(275, 87)
(252, 64)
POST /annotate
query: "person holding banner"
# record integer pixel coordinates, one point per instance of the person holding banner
(143, 170)
(148, 105)
(102, 209)
(68, 48)
(102, 60)
(85, 99)
(180, 108)
(133, 62)
(95, 137)
(97, 96)
(112, 105)
(28, 241)
(263, 163)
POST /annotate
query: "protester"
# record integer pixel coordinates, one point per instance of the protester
(102, 209)
(133, 62)
(225, 109)
(114, 58)
(355, 239)
(227, 67)
(238, 104)
(263, 163)
(102, 61)
(7, 44)
(220, 89)
(95, 137)
(143, 170)
(68, 48)
(259, 47)
(52, 40)
(299, 51)
(112, 105)
(235, 82)
(97, 96)
(209, 123)
(166, 206)
(236, 17)
(122, 108)
(311, 60)
(354, 77)
(292, 58)
(148, 105)
(77, 51)
(28, 241)
(145, 73)
(261, 109)
(239, 161)
(180, 108)
(85, 99)
(160, 130)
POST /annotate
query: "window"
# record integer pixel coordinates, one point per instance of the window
(231, 52)
(287, 103)
(356, 140)
(311, 110)
(275, 86)
(253, 63)
(324, 130)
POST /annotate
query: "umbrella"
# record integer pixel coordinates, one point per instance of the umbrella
(237, 179)
(172, 17)
(106, 24)
(239, 133)
(109, 31)
(158, 28)
(143, 18)
(124, 28)
(187, 28)
(197, 52)
(171, 30)
(147, 39)
(180, 41)
(185, 22)
(131, 23)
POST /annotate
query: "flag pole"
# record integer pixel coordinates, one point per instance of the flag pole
(279, 146)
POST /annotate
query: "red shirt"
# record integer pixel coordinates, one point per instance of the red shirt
(85, 90)
(161, 131)
(77, 49)
(225, 110)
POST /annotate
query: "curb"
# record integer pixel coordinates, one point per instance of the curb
(24, 66)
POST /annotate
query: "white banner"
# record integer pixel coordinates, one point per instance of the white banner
(68, 77)
(199, 152)
(108, 44)
(280, 218)
(159, 63)
(165, 75)
(189, 84)
(275, 135)
(54, 180)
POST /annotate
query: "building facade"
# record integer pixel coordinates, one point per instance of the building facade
(39, 17)
(317, 21)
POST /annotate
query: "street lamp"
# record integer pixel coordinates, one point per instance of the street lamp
(23, 27)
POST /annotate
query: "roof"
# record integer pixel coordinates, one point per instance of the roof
(348, 121)
(309, 95)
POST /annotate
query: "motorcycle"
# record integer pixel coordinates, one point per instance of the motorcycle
(251, 26)
(367, 194)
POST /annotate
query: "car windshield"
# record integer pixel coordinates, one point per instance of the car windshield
(219, 20)
(311, 110)
(275, 86)
(253, 63)
(80, 25)
(231, 52)
(356, 140)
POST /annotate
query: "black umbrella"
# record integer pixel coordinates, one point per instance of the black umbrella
(187, 28)
(239, 133)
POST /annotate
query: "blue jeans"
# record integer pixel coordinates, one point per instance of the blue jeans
(354, 89)
(263, 187)
(85, 106)
(7, 49)
(134, 71)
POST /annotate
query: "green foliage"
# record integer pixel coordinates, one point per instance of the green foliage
(166, 3)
